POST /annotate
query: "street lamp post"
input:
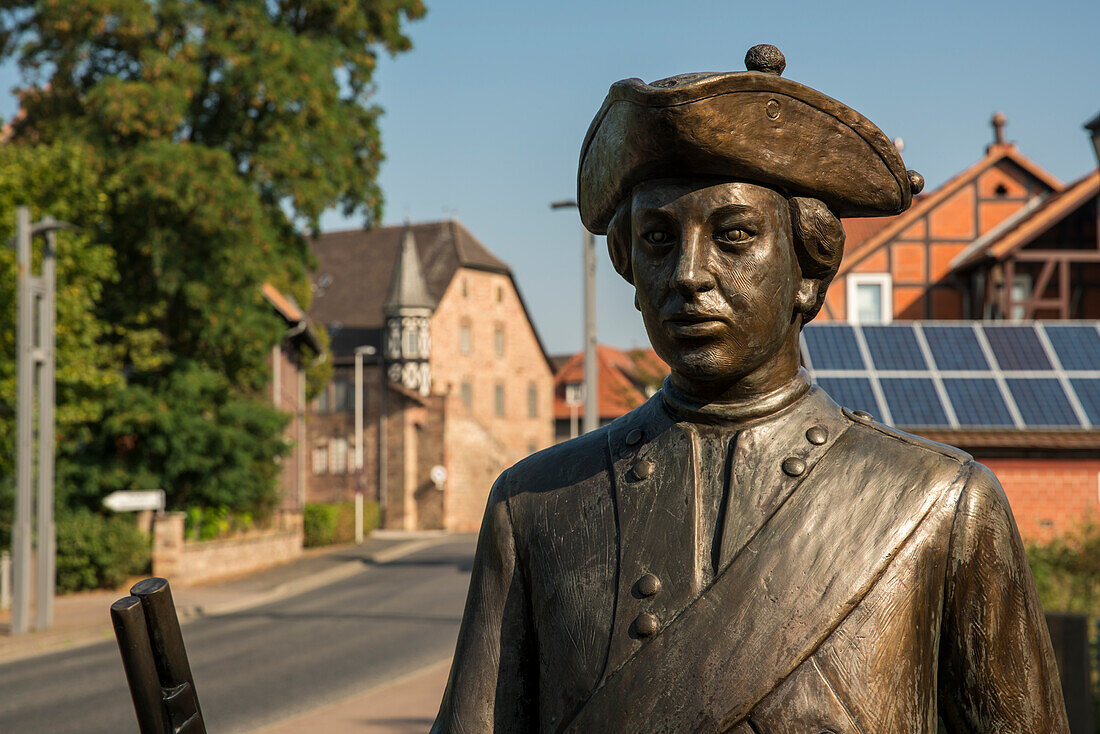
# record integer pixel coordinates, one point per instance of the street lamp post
(591, 379)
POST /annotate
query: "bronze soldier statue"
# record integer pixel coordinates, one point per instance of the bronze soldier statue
(740, 554)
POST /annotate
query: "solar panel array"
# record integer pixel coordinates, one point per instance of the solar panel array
(961, 374)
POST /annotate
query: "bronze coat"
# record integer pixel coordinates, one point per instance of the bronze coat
(867, 579)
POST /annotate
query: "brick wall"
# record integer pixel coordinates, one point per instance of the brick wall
(186, 563)
(1049, 496)
(287, 395)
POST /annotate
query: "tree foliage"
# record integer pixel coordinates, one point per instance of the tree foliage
(212, 135)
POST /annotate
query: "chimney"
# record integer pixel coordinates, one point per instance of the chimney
(1093, 126)
(999, 120)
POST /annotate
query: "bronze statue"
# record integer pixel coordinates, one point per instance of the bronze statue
(740, 554)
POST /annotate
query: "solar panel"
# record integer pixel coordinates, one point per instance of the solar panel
(955, 348)
(833, 347)
(892, 348)
(970, 361)
(913, 401)
(977, 401)
(852, 392)
(1088, 392)
(1077, 346)
(1042, 402)
(1017, 348)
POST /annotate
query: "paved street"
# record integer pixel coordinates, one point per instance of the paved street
(265, 664)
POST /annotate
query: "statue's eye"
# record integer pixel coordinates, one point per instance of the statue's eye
(658, 238)
(732, 236)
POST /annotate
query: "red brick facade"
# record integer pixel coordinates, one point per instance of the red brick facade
(1049, 496)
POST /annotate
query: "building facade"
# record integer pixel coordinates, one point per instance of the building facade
(429, 329)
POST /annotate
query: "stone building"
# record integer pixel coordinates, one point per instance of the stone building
(431, 333)
(287, 362)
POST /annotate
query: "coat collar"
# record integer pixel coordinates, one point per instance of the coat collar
(735, 413)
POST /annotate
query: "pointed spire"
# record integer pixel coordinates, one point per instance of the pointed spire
(408, 289)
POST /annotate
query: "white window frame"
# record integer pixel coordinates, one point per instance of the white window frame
(883, 280)
(320, 459)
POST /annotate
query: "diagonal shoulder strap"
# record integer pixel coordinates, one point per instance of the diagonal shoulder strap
(783, 594)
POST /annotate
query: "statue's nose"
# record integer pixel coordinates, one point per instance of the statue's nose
(692, 274)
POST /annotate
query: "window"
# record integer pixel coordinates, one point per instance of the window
(465, 340)
(870, 298)
(338, 455)
(532, 400)
(574, 393)
(498, 340)
(412, 343)
(324, 401)
(320, 459)
(1021, 292)
(532, 447)
(465, 288)
(500, 294)
(467, 391)
(342, 394)
(498, 399)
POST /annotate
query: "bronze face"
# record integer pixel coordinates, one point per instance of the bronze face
(718, 284)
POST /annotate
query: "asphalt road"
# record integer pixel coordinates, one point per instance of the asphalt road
(261, 665)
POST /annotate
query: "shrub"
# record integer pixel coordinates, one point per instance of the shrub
(1067, 570)
(94, 551)
(319, 524)
(325, 524)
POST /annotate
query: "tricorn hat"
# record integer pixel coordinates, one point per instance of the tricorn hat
(751, 126)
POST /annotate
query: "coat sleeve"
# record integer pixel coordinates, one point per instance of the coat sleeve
(492, 685)
(997, 670)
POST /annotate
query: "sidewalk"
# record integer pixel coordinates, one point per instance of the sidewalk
(404, 706)
(84, 618)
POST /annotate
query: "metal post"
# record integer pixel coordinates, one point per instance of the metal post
(591, 371)
(591, 378)
(358, 518)
(359, 352)
(5, 580)
(47, 532)
(24, 374)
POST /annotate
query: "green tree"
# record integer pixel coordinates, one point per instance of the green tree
(66, 181)
(221, 131)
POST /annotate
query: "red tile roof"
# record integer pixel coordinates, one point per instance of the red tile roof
(623, 377)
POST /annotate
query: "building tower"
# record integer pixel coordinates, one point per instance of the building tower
(408, 309)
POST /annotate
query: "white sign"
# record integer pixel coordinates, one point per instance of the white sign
(135, 500)
(439, 475)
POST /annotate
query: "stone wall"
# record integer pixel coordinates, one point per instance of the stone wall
(187, 563)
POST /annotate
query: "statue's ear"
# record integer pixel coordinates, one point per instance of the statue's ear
(620, 242)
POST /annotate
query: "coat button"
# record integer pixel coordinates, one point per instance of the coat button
(817, 435)
(634, 437)
(645, 625)
(793, 466)
(863, 415)
(648, 585)
(642, 469)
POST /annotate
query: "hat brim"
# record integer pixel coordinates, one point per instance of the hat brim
(747, 126)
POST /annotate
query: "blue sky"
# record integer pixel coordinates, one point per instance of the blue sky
(484, 118)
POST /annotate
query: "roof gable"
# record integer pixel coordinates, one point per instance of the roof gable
(890, 227)
(1036, 220)
(355, 268)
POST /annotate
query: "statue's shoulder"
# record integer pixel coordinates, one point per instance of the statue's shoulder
(584, 459)
(875, 436)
